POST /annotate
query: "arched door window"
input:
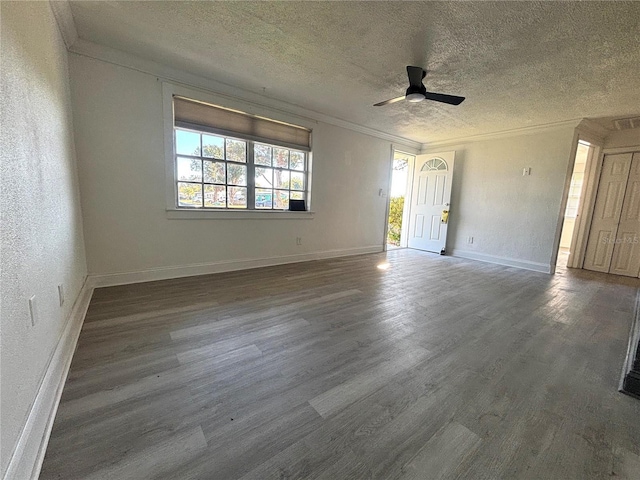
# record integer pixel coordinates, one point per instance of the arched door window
(434, 164)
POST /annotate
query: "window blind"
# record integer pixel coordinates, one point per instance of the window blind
(189, 112)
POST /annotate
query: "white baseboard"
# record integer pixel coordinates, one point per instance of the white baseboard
(28, 455)
(164, 273)
(508, 262)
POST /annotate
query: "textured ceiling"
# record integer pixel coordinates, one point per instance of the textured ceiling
(518, 63)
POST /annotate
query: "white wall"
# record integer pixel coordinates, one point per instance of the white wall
(623, 138)
(41, 229)
(119, 137)
(512, 218)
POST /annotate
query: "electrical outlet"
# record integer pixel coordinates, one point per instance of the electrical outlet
(61, 294)
(526, 171)
(298, 240)
(469, 240)
(33, 310)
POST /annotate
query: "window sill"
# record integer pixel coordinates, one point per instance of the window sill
(197, 214)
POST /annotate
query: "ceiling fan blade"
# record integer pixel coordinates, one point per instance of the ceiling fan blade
(441, 97)
(387, 102)
(416, 74)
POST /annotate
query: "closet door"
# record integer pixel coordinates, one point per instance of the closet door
(607, 211)
(626, 251)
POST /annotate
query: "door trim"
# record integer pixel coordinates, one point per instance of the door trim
(586, 207)
(408, 192)
(388, 198)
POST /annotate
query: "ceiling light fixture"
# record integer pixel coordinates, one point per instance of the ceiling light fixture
(414, 97)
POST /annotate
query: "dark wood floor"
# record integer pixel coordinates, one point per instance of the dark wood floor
(425, 367)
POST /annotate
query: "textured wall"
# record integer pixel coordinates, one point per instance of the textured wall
(119, 136)
(41, 229)
(509, 215)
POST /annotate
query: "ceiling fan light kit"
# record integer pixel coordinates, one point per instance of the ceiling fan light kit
(417, 92)
(414, 97)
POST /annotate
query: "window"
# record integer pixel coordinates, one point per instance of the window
(216, 169)
(434, 164)
(279, 176)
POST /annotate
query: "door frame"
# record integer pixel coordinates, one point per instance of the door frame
(586, 207)
(408, 191)
(586, 203)
(406, 208)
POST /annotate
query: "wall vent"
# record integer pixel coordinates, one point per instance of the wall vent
(627, 123)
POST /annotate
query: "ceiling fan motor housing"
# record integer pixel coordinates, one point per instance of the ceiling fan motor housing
(417, 92)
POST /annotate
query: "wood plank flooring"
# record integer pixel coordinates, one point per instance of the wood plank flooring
(429, 367)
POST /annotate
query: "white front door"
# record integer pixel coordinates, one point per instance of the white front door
(430, 198)
(607, 212)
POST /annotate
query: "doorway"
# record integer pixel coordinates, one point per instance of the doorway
(573, 203)
(397, 222)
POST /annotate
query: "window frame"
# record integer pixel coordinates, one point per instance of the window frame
(171, 184)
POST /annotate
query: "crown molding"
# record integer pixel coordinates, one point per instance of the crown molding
(173, 75)
(64, 18)
(529, 130)
(177, 76)
(592, 132)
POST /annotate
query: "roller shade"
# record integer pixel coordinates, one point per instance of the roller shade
(191, 113)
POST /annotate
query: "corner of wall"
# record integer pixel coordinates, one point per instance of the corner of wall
(64, 18)
(28, 455)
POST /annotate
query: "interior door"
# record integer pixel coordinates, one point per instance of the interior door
(626, 250)
(431, 194)
(607, 211)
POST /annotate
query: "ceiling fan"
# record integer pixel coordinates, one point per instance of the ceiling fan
(417, 91)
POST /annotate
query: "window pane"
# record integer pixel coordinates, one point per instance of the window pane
(282, 200)
(214, 196)
(281, 178)
(236, 150)
(262, 154)
(297, 195)
(190, 194)
(237, 197)
(264, 177)
(281, 157)
(236, 174)
(187, 143)
(264, 198)
(297, 181)
(214, 172)
(189, 169)
(297, 161)
(213, 146)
